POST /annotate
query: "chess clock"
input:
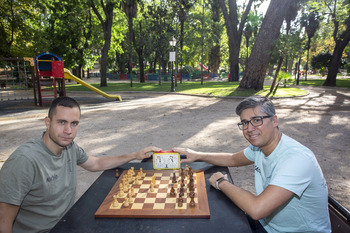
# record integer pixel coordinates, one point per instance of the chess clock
(166, 160)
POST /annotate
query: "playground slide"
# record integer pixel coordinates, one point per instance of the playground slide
(206, 68)
(69, 75)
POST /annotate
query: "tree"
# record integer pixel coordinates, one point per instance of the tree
(261, 53)
(251, 29)
(340, 36)
(184, 7)
(311, 22)
(106, 23)
(130, 9)
(289, 17)
(217, 28)
(321, 62)
(234, 32)
(20, 28)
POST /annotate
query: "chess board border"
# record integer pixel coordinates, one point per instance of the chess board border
(201, 210)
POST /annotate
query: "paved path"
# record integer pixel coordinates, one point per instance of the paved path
(319, 120)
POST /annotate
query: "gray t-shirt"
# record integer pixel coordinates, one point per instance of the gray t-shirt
(41, 183)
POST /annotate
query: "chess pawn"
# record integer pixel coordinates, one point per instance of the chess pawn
(125, 187)
(137, 180)
(152, 187)
(172, 191)
(192, 203)
(182, 173)
(142, 173)
(130, 198)
(186, 170)
(153, 179)
(132, 192)
(126, 203)
(121, 188)
(174, 179)
(180, 202)
(115, 202)
(116, 173)
(132, 171)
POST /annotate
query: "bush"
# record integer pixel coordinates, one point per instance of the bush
(187, 69)
(286, 77)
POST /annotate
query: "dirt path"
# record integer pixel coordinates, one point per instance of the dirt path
(319, 121)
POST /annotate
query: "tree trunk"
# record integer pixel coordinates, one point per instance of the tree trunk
(260, 56)
(275, 78)
(340, 45)
(107, 34)
(130, 48)
(234, 33)
(142, 68)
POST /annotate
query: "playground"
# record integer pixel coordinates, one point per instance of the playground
(41, 78)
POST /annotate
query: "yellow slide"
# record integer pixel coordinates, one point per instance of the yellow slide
(69, 75)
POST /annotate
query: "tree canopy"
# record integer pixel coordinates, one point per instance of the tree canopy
(236, 37)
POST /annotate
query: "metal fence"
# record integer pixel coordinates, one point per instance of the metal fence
(16, 79)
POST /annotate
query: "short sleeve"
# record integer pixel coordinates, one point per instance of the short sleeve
(294, 174)
(82, 156)
(16, 179)
(250, 152)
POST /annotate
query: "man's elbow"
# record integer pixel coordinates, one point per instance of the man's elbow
(257, 214)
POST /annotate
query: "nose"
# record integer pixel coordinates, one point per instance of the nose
(67, 128)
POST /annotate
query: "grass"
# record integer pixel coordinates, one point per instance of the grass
(210, 88)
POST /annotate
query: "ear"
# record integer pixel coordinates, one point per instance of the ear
(275, 120)
(47, 122)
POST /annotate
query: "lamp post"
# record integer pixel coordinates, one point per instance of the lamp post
(172, 58)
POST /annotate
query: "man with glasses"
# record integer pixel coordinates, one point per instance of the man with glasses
(291, 192)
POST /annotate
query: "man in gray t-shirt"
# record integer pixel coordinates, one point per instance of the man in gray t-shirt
(38, 181)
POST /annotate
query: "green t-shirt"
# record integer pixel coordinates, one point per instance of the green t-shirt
(41, 183)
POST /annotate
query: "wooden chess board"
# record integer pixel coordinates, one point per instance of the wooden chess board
(156, 203)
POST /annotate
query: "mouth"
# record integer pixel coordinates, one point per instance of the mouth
(253, 136)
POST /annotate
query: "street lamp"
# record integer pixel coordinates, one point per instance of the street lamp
(172, 58)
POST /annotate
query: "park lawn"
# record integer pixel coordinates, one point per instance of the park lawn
(211, 88)
(343, 82)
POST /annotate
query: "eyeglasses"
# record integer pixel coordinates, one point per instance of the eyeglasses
(255, 121)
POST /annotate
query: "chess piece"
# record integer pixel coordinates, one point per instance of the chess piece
(153, 180)
(130, 200)
(192, 203)
(172, 191)
(125, 203)
(182, 173)
(116, 173)
(132, 191)
(137, 179)
(125, 187)
(190, 172)
(121, 192)
(180, 202)
(174, 179)
(152, 187)
(186, 170)
(115, 202)
(142, 173)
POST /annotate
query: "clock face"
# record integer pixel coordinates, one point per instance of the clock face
(166, 160)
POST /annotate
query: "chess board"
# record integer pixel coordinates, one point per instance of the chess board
(157, 203)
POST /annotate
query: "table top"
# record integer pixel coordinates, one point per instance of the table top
(225, 216)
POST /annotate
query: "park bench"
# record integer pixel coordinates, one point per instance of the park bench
(339, 215)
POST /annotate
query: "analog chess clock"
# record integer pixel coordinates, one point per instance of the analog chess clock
(166, 160)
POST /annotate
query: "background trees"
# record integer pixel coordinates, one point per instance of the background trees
(230, 35)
